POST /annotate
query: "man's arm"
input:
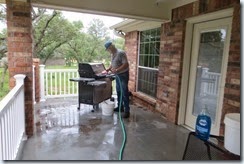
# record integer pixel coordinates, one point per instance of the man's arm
(121, 68)
(109, 68)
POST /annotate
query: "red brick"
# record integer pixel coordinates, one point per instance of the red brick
(20, 51)
(171, 57)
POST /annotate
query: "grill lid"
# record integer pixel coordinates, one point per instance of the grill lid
(91, 70)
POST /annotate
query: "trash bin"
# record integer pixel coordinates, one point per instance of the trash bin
(232, 133)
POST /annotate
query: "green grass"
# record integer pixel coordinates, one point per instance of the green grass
(60, 87)
(60, 67)
(66, 82)
(4, 91)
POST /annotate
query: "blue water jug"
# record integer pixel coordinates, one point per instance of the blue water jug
(203, 125)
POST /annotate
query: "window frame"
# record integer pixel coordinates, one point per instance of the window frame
(154, 68)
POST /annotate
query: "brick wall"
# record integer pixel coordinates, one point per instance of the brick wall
(170, 63)
(232, 94)
(20, 52)
(131, 48)
(171, 60)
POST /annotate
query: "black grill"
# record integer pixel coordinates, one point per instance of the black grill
(94, 87)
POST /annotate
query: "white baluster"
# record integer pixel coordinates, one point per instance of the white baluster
(42, 84)
(33, 82)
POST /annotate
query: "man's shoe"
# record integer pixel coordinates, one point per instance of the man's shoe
(126, 115)
(117, 109)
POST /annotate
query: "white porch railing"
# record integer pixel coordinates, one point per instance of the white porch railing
(211, 84)
(12, 120)
(56, 83)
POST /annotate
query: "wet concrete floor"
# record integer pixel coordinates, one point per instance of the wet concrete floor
(65, 133)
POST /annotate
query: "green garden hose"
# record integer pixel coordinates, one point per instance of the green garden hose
(121, 121)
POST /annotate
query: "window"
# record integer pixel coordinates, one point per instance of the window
(149, 61)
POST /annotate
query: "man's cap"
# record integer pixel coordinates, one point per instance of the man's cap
(107, 44)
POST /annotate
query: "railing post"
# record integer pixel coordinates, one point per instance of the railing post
(42, 84)
(198, 81)
(19, 79)
(206, 84)
(34, 84)
(205, 71)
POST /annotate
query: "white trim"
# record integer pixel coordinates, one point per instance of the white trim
(138, 60)
(185, 73)
(211, 16)
(148, 68)
(136, 25)
(187, 57)
(154, 69)
(198, 29)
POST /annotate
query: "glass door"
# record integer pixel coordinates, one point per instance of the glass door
(209, 57)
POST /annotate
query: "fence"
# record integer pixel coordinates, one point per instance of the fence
(12, 121)
(209, 82)
(56, 83)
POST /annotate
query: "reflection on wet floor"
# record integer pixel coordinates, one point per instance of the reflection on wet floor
(60, 116)
(68, 116)
(65, 133)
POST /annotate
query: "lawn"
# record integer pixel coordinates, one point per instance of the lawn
(4, 91)
(58, 83)
(61, 67)
(56, 89)
(61, 84)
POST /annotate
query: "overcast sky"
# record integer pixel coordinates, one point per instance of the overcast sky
(86, 18)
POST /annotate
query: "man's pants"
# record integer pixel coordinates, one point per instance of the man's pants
(123, 81)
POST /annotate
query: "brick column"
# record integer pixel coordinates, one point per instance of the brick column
(131, 48)
(19, 26)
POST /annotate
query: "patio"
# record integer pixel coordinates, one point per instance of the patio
(64, 133)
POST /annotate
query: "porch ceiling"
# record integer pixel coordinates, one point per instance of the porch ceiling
(153, 10)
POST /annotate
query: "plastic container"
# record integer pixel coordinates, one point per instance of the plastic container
(232, 133)
(203, 125)
(108, 108)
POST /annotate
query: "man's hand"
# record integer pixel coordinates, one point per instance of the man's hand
(113, 70)
(104, 72)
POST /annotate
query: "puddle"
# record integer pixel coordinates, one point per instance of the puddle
(92, 125)
(61, 116)
(159, 125)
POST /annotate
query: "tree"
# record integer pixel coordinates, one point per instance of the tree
(3, 33)
(3, 45)
(211, 54)
(2, 13)
(76, 49)
(4, 64)
(98, 32)
(51, 32)
(87, 47)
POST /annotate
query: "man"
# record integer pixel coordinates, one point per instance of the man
(120, 67)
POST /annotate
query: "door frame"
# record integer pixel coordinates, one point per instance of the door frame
(187, 56)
